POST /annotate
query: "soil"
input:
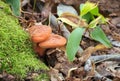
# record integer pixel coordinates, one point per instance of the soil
(109, 8)
(63, 70)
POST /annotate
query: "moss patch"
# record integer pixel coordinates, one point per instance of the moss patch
(16, 54)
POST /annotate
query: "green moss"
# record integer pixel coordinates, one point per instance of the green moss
(43, 77)
(16, 54)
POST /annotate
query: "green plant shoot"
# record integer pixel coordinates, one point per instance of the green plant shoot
(73, 42)
(90, 16)
(98, 35)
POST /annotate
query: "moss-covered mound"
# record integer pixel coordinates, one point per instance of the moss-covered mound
(16, 54)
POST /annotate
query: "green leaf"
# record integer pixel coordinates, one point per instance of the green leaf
(98, 35)
(95, 11)
(88, 17)
(94, 22)
(73, 43)
(87, 7)
(99, 20)
(15, 5)
(103, 19)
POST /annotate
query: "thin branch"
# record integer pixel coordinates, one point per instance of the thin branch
(88, 67)
(101, 58)
(100, 77)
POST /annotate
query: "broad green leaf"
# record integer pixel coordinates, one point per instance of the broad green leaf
(67, 21)
(98, 35)
(87, 7)
(88, 17)
(73, 42)
(61, 8)
(95, 11)
(94, 22)
(15, 5)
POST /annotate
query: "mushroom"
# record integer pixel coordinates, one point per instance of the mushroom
(39, 33)
(43, 38)
(53, 41)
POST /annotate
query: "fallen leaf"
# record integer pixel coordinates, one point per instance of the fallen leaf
(72, 20)
(86, 54)
(61, 8)
(100, 47)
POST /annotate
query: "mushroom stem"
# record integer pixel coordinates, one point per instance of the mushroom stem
(40, 51)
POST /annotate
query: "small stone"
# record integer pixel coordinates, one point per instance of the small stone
(1, 75)
(118, 25)
(115, 21)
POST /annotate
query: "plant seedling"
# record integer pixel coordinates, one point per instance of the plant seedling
(89, 18)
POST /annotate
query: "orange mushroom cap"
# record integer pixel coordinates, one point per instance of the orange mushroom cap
(39, 33)
(53, 41)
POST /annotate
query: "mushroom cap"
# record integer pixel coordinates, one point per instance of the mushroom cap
(53, 41)
(39, 33)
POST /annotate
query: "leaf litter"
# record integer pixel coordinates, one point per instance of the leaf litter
(93, 64)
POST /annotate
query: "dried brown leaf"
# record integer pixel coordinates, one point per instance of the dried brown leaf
(74, 19)
(100, 47)
(86, 54)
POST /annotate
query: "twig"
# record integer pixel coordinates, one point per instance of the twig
(100, 77)
(66, 33)
(88, 67)
(69, 72)
(53, 21)
(101, 58)
(30, 13)
(86, 54)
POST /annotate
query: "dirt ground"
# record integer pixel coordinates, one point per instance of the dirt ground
(101, 65)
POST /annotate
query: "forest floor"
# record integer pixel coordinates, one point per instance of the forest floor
(101, 65)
